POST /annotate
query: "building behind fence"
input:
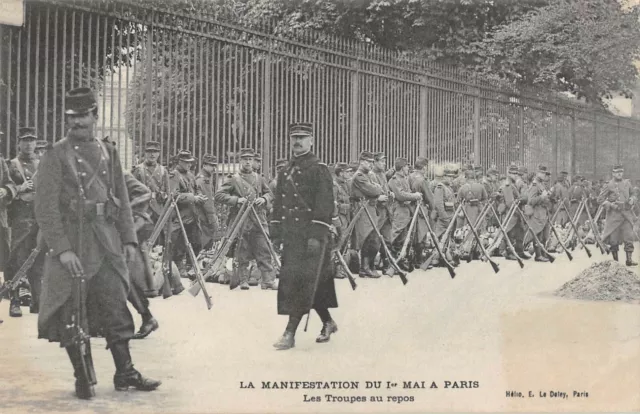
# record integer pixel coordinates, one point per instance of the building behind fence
(212, 87)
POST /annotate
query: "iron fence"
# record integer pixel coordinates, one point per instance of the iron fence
(212, 87)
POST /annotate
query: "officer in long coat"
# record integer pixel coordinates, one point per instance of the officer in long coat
(188, 198)
(24, 229)
(303, 208)
(402, 208)
(537, 210)
(206, 185)
(251, 243)
(419, 183)
(617, 198)
(80, 180)
(366, 193)
(379, 176)
(140, 269)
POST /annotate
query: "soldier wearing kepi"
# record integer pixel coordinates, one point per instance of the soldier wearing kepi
(206, 184)
(251, 244)
(154, 176)
(303, 208)
(402, 207)
(443, 201)
(41, 147)
(510, 195)
(384, 215)
(342, 199)
(7, 192)
(80, 171)
(366, 192)
(22, 219)
(419, 183)
(188, 197)
(577, 192)
(537, 210)
(618, 198)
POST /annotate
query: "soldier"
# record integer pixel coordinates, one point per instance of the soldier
(366, 192)
(537, 210)
(8, 191)
(560, 192)
(418, 183)
(475, 195)
(303, 207)
(206, 185)
(342, 199)
(24, 229)
(466, 171)
(188, 198)
(402, 208)
(576, 193)
(139, 197)
(79, 167)
(618, 199)
(154, 176)
(41, 147)
(515, 230)
(443, 201)
(384, 215)
(251, 244)
(280, 164)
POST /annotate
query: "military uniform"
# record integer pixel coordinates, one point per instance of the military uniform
(303, 207)
(206, 185)
(577, 192)
(418, 183)
(443, 206)
(81, 177)
(509, 194)
(24, 229)
(537, 211)
(342, 200)
(8, 191)
(560, 193)
(379, 176)
(618, 198)
(366, 192)
(403, 205)
(252, 244)
(156, 178)
(183, 186)
(475, 195)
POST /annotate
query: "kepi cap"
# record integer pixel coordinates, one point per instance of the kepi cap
(618, 168)
(209, 159)
(152, 146)
(367, 156)
(27, 133)
(185, 155)
(80, 101)
(400, 163)
(247, 153)
(301, 128)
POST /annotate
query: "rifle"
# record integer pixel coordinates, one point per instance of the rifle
(506, 237)
(405, 245)
(21, 274)
(274, 256)
(402, 273)
(350, 228)
(439, 250)
(507, 219)
(594, 228)
(445, 236)
(81, 340)
(535, 238)
(575, 229)
(481, 216)
(576, 216)
(553, 229)
(494, 265)
(194, 260)
(344, 266)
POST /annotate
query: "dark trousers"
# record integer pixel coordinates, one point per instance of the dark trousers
(139, 300)
(178, 243)
(17, 257)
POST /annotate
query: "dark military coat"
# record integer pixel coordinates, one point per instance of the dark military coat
(538, 206)
(140, 197)
(67, 166)
(21, 214)
(443, 207)
(156, 179)
(384, 213)
(402, 208)
(475, 195)
(302, 209)
(618, 194)
(366, 192)
(561, 193)
(183, 185)
(510, 194)
(5, 232)
(419, 184)
(575, 195)
(206, 185)
(343, 202)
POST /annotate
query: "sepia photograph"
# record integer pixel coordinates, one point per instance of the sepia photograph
(319, 206)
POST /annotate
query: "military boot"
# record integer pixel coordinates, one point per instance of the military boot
(287, 341)
(328, 328)
(539, 256)
(268, 281)
(84, 390)
(149, 324)
(374, 274)
(126, 376)
(630, 262)
(364, 266)
(14, 308)
(243, 272)
(614, 253)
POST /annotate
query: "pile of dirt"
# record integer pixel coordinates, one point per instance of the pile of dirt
(608, 281)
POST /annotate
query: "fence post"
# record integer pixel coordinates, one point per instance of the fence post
(595, 146)
(573, 142)
(354, 130)
(149, 92)
(476, 127)
(422, 133)
(554, 167)
(521, 133)
(618, 143)
(266, 115)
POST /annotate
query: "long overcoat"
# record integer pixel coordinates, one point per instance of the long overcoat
(366, 192)
(617, 192)
(475, 195)
(402, 208)
(384, 213)
(302, 209)
(510, 194)
(5, 231)
(207, 211)
(419, 184)
(538, 206)
(64, 168)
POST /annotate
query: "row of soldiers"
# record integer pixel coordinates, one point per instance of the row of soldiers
(391, 196)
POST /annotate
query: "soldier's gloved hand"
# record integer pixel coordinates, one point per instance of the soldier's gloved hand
(313, 247)
(260, 201)
(241, 200)
(71, 262)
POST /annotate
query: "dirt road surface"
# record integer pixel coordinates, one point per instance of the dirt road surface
(506, 331)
